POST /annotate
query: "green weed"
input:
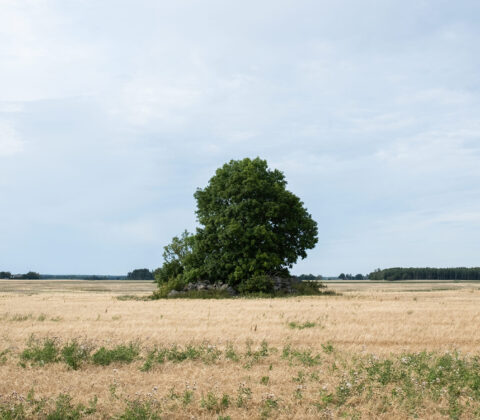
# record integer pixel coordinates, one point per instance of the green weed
(301, 326)
(121, 353)
(74, 354)
(141, 410)
(244, 394)
(305, 357)
(40, 352)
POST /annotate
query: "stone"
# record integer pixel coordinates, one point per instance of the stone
(231, 290)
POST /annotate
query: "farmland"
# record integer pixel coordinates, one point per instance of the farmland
(378, 350)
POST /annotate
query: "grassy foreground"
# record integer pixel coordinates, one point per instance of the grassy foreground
(276, 382)
(368, 353)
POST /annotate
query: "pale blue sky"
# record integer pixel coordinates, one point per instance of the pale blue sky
(112, 113)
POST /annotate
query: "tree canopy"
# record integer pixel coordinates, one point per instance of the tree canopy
(32, 275)
(250, 225)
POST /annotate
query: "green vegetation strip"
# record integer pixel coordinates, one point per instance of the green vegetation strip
(446, 382)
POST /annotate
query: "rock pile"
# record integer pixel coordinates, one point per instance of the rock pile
(280, 284)
(203, 286)
(284, 284)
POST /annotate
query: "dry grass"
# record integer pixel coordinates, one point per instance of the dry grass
(380, 319)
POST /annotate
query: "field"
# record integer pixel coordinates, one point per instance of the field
(378, 350)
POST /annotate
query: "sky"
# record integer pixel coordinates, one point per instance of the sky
(113, 113)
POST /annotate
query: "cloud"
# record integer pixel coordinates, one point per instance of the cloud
(10, 141)
(144, 100)
(118, 109)
(42, 58)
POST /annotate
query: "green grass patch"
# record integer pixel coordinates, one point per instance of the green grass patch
(3, 356)
(305, 357)
(40, 351)
(141, 410)
(121, 353)
(74, 354)
(301, 326)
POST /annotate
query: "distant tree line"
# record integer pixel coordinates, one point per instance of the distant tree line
(29, 275)
(427, 273)
(344, 276)
(140, 274)
(80, 277)
(32, 275)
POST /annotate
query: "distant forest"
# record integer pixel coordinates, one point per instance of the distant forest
(427, 273)
(29, 275)
(391, 274)
(32, 275)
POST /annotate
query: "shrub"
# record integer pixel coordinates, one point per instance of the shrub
(140, 410)
(175, 283)
(65, 410)
(14, 412)
(40, 352)
(212, 403)
(121, 353)
(257, 284)
(73, 354)
(311, 288)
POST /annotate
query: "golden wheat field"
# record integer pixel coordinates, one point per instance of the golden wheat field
(72, 349)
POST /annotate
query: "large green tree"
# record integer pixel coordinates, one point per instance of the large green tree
(251, 228)
(251, 224)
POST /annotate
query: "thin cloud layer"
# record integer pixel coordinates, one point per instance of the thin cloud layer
(113, 113)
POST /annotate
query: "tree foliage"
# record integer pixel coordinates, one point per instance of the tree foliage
(250, 226)
(178, 257)
(5, 274)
